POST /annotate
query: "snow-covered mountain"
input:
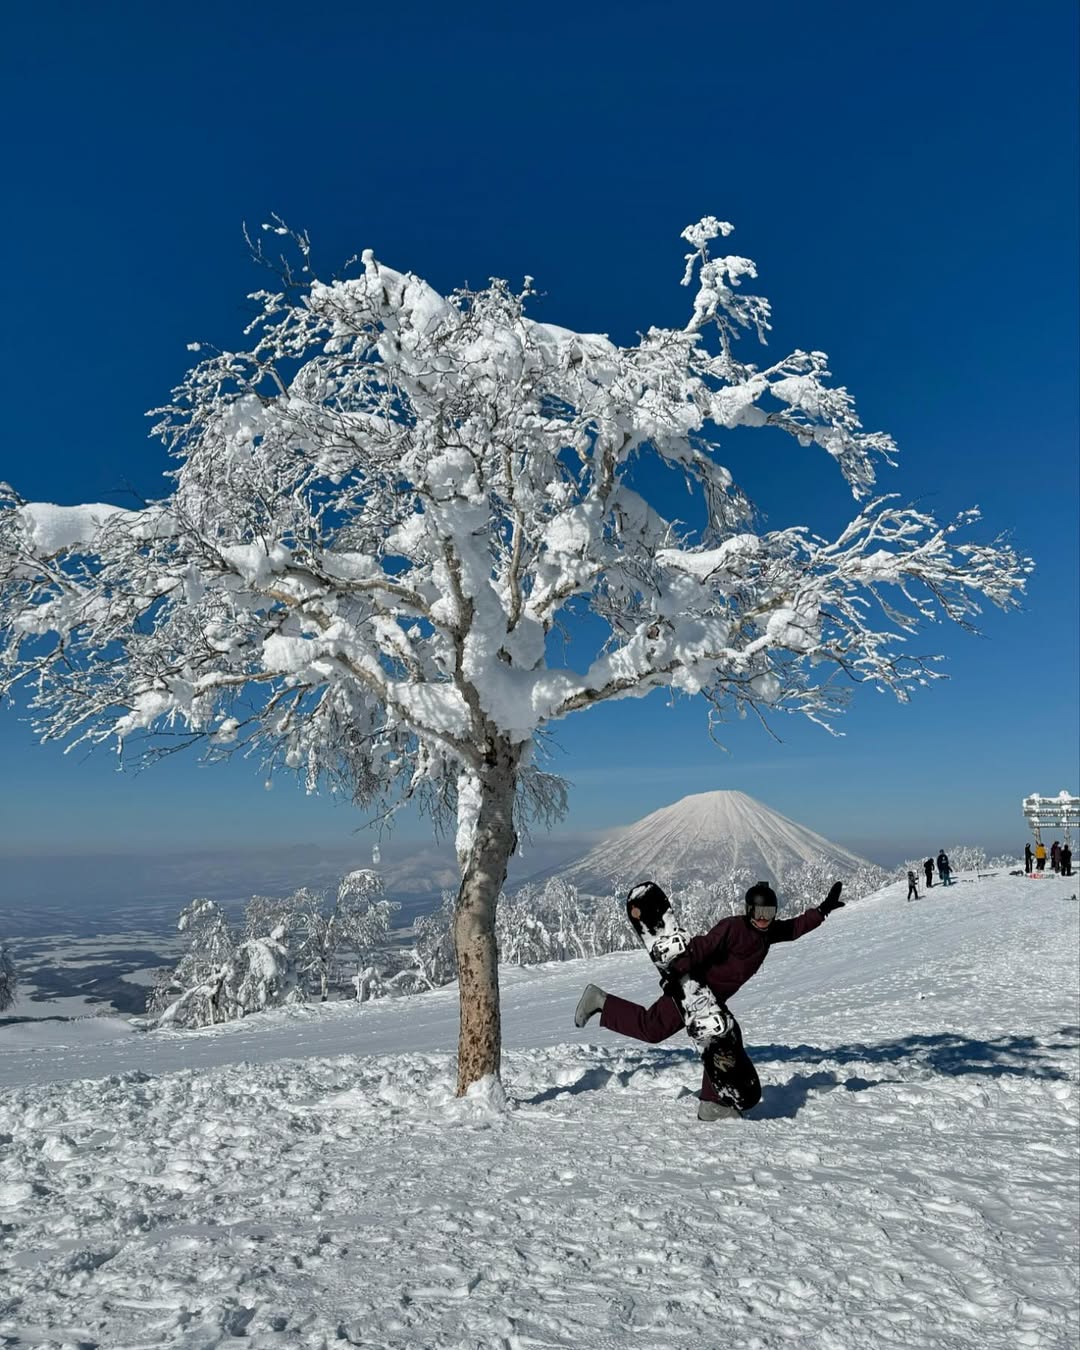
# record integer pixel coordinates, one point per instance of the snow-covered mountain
(701, 838)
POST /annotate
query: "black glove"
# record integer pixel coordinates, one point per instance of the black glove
(832, 900)
(671, 985)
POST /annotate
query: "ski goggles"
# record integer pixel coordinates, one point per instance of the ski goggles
(762, 911)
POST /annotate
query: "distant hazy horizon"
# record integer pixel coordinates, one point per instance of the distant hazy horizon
(93, 877)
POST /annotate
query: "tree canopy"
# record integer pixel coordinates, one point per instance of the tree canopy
(384, 506)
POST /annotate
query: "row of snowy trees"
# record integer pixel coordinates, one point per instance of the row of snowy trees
(553, 921)
(286, 951)
(292, 949)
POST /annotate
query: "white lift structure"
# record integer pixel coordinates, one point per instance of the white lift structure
(1058, 815)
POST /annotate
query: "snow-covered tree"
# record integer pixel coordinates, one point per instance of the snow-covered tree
(433, 955)
(314, 935)
(210, 944)
(9, 979)
(387, 504)
(967, 858)
(259, 973)
(810, 881)
(364, 917)
(316, 929)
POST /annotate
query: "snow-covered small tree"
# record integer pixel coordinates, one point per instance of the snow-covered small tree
(364, 918)
(210, 944)
(315, 935)
(385, 507)
(9, 979)
(967, 858)
(310, 929)
(259, 973)
(434, 959)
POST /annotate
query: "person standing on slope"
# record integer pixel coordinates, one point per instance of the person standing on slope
(724, 958)
(1027, 857)
(912, 888)
(1040, 856)
(944, 868)
(928, 868)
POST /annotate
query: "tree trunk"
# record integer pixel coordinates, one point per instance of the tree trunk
(483, 871)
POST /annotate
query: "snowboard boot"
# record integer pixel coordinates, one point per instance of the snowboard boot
(717, 1111)
(589, 1004)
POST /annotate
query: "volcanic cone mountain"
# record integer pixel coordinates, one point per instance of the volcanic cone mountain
(704, 837)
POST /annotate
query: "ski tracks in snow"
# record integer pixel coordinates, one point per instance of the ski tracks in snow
(355, 1202)
(909, 1181)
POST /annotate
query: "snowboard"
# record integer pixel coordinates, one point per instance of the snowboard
(708, 1023)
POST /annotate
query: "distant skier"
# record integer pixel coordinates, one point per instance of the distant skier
(724, 958)
(1066, 860)
(912, 887)
(944, 868)
(1040, 857)
(1055, 856)
(928, 868)
(1027, 857)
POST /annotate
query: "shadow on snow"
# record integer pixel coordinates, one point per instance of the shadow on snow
(913, 1057)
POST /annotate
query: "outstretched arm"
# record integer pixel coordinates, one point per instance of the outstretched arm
(787, 930)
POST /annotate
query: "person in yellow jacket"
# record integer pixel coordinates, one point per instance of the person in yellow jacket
(1040, 856)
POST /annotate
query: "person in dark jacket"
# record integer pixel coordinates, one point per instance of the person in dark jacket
(1066, 860)
(1027, 857)
(928, 868)
(724, 958)
(944, 868)
(912, 887)
(1055, 856)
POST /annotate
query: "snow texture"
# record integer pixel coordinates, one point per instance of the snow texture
(305, 1178)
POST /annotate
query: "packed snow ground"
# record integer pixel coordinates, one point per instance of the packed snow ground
(910, 1178)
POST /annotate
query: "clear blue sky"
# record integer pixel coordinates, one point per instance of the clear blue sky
(905, 177)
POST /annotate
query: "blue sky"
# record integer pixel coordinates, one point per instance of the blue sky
(904, 176)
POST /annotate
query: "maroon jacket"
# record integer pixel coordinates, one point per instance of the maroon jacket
(726, 956)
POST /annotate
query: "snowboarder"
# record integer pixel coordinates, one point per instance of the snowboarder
(1027, 857)
(1040, 856)
(724, 958)
(944, 868)
(912, 887)
(928, 868)
(1066, 860)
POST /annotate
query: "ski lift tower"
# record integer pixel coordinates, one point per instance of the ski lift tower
(1060, 814)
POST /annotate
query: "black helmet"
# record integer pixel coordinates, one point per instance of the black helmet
(761, 901)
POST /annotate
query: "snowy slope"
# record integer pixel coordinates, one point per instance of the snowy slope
(910, 1178)
(703, 837)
